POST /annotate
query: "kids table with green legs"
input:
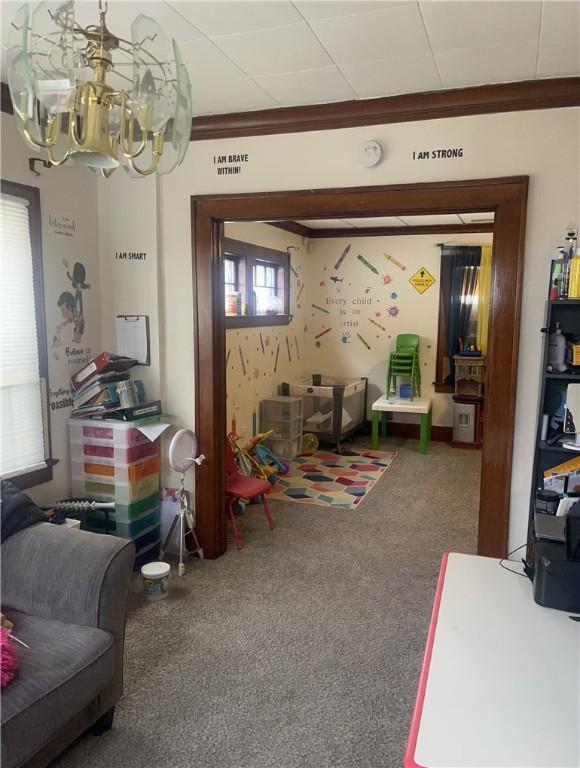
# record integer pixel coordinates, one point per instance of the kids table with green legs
(420, 405)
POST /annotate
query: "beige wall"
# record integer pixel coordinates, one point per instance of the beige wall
(282, 356)
(69, 211)
(541, 144)
(376, 307)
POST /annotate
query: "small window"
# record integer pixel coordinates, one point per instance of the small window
(256, 285)
(25, 439)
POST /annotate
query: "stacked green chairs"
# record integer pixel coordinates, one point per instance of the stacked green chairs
(404, 362)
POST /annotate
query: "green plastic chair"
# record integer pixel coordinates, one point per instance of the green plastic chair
(404, 362)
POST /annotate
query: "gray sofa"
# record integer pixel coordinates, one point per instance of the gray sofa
(66, 592)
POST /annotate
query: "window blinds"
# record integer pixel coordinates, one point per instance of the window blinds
(22, 426)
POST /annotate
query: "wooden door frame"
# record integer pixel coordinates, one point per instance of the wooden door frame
(506, 197)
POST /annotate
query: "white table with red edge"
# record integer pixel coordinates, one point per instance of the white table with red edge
(500, 683)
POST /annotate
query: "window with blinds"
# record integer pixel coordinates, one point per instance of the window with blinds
(23, 440)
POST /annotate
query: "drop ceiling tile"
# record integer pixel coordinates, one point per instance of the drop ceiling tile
(275, 51)
(198, 110)
(325, 9)
(559, 40)
(121, 13)
(325, 223)
(396, 31)
(477, 218)
(481, 24)
(227, 18)
(405, 74)
(376, 221)
(312, 86)
(233, 96)
(472, 66)
(435, 219)
(202, 56)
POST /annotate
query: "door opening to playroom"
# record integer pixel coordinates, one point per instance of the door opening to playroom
(315, 306)
(505, 198)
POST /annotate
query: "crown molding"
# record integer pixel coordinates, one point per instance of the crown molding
(479, 100)
(457, 102)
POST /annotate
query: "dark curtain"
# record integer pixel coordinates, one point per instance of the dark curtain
(458, 283)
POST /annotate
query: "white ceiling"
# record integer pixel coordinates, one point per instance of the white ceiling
(247, 55)
(398, 221)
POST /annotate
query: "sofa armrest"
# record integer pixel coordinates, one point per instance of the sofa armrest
(68, 575)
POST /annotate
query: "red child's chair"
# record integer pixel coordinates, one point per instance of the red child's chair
(238, 487)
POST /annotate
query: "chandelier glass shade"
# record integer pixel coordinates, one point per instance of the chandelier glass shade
(84, 94)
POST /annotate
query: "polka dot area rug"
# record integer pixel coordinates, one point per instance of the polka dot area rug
(332, 480)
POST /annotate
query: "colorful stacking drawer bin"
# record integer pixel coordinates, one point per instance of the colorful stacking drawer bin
(114, 461)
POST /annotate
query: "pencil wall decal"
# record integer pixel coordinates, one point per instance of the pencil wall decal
(395, 261)
(320, 309)
(367, 264)
(242, 359)
(276, 361)
(342, 257)
(262, 343)
(297, 350)
(288, 348)
(363, 341)
(326, 330)
(374, 322)
(228, 356)
(300, 292)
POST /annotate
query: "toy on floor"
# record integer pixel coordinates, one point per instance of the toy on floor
(270, 463)
(256, 460)
(309, 443)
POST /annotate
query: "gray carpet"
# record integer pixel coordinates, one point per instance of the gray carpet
(304, 649)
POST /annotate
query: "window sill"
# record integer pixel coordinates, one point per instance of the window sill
(257, 321)
(445, 388)
(30, 479)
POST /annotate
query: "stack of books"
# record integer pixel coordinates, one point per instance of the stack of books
(94, 390)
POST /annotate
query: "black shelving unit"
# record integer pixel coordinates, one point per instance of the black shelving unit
(567, 313)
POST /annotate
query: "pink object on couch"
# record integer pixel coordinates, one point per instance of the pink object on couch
(8, 659)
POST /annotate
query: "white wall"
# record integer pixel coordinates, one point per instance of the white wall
(69, 212)
(541, 144)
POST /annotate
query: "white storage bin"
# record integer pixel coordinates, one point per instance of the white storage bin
(105, 489)
(285, 449)
(106, 470)
(122, 433)
(280, 408)
(91, 449)
(285, 429)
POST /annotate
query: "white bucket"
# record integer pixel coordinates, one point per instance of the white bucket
(155, 580)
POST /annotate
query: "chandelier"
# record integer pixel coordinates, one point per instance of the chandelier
(85, 94)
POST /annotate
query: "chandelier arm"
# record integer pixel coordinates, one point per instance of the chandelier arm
(53, 133)
(127, 152)
(62, 160)
(147, 172)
